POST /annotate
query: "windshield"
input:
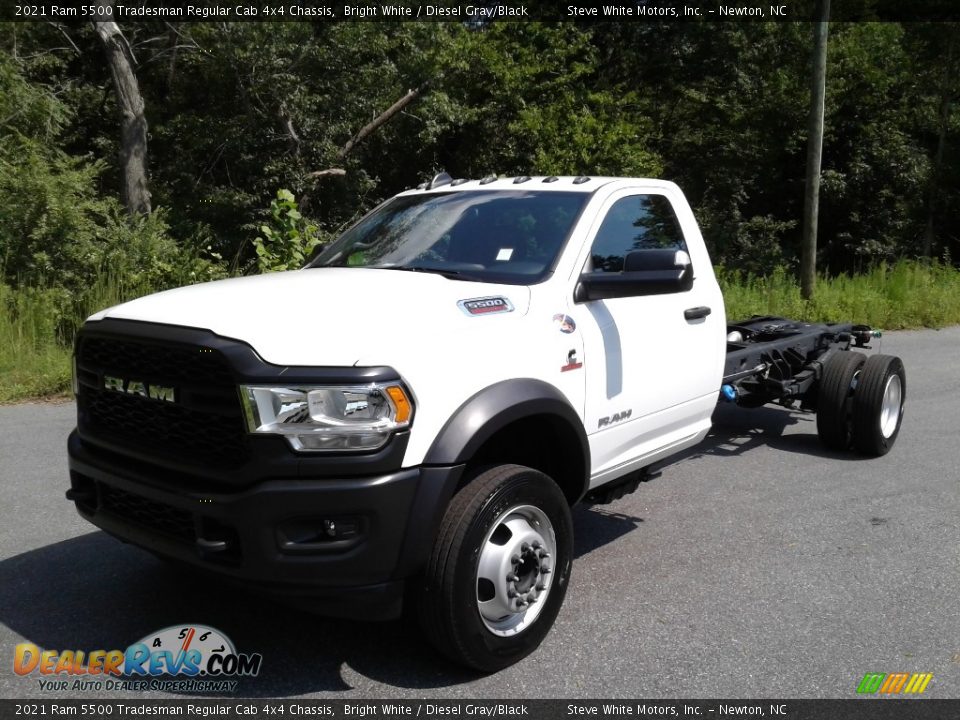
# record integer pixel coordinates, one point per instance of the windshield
(505, 237)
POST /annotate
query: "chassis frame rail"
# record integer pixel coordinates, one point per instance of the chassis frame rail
(773, 359)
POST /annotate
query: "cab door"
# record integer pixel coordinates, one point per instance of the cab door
(655, 360)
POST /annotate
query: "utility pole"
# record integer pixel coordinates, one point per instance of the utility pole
(811, 197)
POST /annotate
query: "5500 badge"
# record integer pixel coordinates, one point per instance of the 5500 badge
(192, 650)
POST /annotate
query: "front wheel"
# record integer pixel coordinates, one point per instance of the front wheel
(499, 569)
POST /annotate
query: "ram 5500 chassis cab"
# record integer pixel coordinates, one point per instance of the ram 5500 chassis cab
(412, 415)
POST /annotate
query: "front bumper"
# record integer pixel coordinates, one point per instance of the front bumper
(321, 540)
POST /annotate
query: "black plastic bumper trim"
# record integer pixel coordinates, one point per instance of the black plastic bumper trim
(400, 511)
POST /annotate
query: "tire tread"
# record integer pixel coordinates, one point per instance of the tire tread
(436, 604)
(868, 402)
(833, 402)
(440, 600)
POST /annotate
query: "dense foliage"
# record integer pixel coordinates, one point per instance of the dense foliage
(239, 111)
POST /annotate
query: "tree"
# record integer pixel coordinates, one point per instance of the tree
(240, 110)
(56, 228)
(368, 129)
(947, 92)
(527, 98)
(134, 190)
(874, 167)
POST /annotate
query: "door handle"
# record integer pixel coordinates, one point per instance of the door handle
(696, 313)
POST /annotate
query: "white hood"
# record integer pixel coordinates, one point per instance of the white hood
(329, 316)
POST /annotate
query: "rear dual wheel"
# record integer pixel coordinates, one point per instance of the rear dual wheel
(860, 402)
(878, 403)
(835, 399)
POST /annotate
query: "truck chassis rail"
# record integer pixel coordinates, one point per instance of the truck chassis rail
(773, 359)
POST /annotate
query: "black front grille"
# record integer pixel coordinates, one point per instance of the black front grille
(140, 511)
(159, 428)
(204, 424)
(172, 363)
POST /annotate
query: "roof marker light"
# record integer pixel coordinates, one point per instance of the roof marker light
(439, 179)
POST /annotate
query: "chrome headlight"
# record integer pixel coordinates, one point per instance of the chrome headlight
(327, 417)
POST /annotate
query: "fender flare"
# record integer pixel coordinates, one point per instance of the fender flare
(497, 406)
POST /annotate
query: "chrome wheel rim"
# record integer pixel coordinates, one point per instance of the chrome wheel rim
(515, 570)
(890, 409)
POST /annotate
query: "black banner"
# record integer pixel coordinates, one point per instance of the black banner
(481, 11)
(852, 709)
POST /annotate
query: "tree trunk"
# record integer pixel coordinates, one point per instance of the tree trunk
(134, 190)
(811, 197)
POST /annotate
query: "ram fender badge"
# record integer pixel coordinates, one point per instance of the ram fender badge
(615, 418)
(485, 305)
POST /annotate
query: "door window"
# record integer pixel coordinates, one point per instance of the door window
(638, 222)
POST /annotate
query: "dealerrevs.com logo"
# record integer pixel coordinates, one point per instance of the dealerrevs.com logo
(181, 657)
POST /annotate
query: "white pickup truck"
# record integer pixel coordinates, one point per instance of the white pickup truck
(412, 415)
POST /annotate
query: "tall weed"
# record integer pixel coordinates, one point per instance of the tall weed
(906, 294)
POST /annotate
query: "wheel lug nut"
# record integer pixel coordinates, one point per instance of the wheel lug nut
(545, 570)
(537, 545)
(541, 587)
(511, 593)
(513, 578)
(515, 559)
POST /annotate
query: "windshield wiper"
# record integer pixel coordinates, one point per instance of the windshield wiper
(445, 272)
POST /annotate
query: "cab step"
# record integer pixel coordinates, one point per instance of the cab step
(606, 494)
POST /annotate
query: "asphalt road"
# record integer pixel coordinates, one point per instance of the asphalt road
(757, 565)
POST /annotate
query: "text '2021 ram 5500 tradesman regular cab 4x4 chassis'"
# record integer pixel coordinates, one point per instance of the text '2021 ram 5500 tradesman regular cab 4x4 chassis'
(414, 413)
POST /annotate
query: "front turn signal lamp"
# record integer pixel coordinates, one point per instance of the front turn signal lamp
(318, 418)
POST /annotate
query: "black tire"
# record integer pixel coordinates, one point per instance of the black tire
(835, 399)
(449, 602)
(878, 404)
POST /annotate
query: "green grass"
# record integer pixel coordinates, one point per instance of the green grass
(32, 361)
(37, 323)
(904, 295)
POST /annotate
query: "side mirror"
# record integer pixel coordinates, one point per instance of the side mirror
(645, 272)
